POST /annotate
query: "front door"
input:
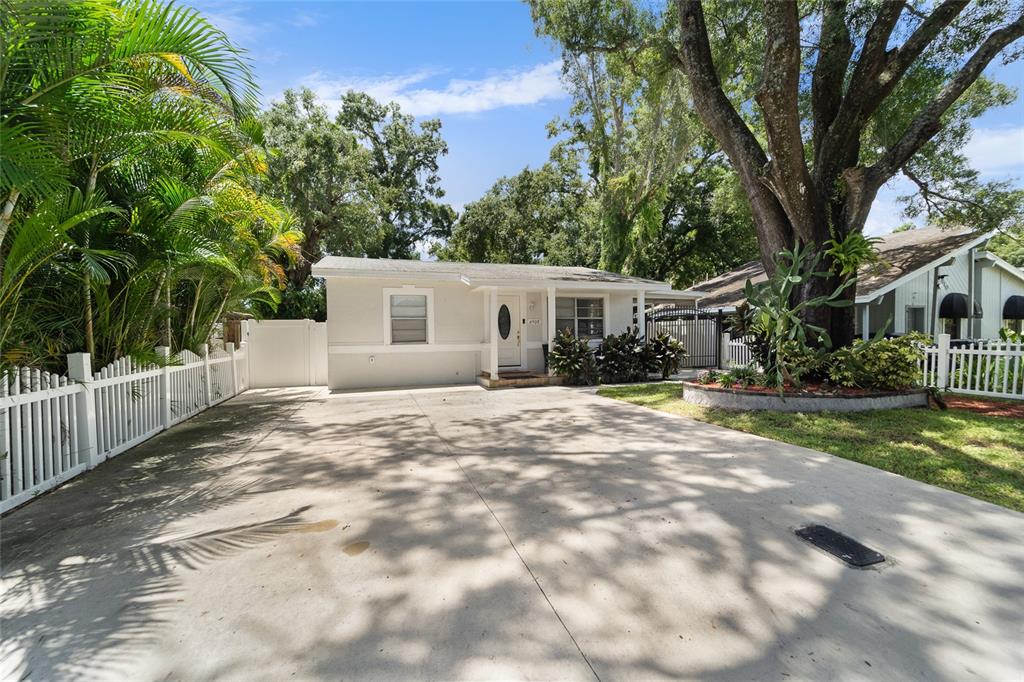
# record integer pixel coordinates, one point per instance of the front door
(509, 332)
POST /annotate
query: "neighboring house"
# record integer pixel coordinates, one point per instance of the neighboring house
(927, 280)
(406, 322)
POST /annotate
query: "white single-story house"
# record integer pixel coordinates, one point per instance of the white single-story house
(408, 322)
(927, 280)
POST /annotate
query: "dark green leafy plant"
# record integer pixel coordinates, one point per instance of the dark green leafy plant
(741, 325)
(572, 359)
(664, 354)
(622, 358)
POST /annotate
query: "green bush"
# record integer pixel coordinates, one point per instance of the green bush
(664, 354)
(708, 377)
(744, 377)
(571, 358)
(623, 358)
(884, 364)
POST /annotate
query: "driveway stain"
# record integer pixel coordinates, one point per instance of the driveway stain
(355, 548)
(314, 527)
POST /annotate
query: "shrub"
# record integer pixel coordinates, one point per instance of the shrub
(664, 354)
(801, 360)
(622, 358)
(845, 368)
(709, 377)
(886, 364)
(727, 380)
(744, 376)
(572, 359)
(1011, 335)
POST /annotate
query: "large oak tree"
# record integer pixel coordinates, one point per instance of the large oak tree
(815, 134)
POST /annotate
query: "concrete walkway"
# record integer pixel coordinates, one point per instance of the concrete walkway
(463, 534)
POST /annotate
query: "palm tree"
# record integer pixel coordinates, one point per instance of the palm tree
(137, 115)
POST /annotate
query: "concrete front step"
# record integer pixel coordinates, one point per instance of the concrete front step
(516, 379)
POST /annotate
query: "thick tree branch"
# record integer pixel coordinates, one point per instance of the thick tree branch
(777, 95)
(929, 122)
(730, 131)
(835, 48)
(876, 75)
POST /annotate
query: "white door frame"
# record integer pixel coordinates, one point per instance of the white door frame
(521, 296)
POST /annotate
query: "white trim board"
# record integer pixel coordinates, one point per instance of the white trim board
(355, 349)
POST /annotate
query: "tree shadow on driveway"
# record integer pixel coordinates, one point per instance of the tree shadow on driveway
(372, 536)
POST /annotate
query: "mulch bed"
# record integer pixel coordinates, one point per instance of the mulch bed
(995, 408)
(808, 389)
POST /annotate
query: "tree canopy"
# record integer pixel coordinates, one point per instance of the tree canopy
(130, 173)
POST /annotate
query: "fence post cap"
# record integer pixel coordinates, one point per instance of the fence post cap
(79, 366)
(230, 346)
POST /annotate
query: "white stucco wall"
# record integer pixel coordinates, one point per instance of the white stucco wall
(360, 357)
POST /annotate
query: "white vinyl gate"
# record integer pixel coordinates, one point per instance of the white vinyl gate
(286, 353)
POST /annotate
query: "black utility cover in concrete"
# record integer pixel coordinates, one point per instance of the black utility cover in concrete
(842, 546)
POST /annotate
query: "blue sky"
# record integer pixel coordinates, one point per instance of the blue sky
(479, 67)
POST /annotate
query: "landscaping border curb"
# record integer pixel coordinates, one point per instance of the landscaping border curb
(733, 399)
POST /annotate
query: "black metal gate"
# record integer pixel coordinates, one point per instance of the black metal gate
(700, 332)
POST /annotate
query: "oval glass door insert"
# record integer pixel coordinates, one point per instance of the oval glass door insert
(504, 321)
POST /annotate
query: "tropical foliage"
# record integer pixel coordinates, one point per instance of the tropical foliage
(572, 359)
(887, 364)
(131, 167)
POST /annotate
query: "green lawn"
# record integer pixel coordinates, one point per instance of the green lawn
(978, 455)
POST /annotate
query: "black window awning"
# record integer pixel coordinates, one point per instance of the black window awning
(954, 307)
(1013, 309)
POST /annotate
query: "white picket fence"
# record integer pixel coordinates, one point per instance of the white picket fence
(986, 368)
(734, 352)
(53, 428)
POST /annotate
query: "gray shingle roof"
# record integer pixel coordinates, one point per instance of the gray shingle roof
(475, 272)
(900, 253)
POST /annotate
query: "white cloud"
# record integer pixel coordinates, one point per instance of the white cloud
(996, 150)
(459, 96)
(304, 20)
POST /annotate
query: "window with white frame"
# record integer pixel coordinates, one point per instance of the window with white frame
(409, 317)
(584, 317)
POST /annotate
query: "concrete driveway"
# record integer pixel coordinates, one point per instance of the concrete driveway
(463, 534)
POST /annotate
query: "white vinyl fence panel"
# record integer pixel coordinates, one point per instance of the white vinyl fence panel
(736, 353)
(127, 399)
(38, 434)
(986, 368)
(287, 353)
(55, 427)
